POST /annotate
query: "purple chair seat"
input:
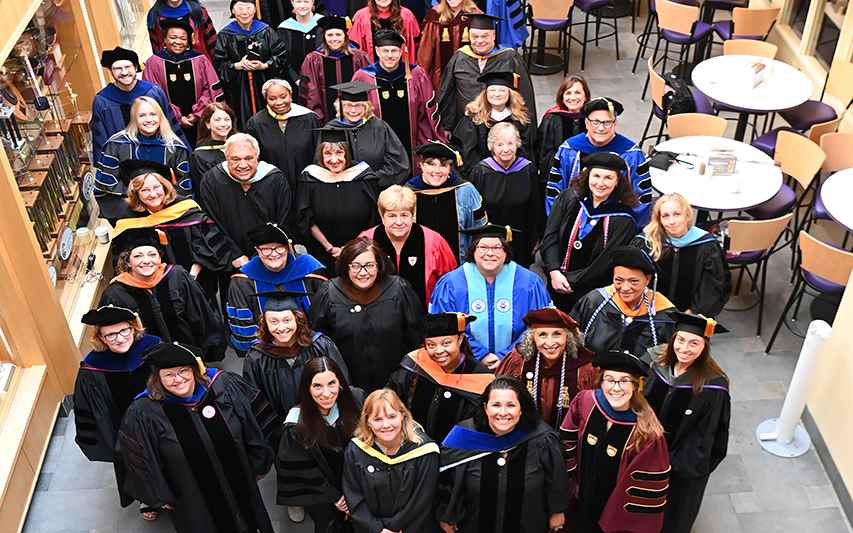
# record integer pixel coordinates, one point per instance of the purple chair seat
(550, 24)
(822, 284)
(808, 114)
(725, 5)
(781, 202)
(744, 258)
(819, 210)
(767, 142)
(700, 31)
(589, 5)
(703, 105)
(725, 28)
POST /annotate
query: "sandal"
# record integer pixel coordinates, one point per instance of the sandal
(145, 510)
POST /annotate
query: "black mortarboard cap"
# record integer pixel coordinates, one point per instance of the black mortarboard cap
(482, 21)
(441, 324)
(607, 104)
(183, 23)
(633, 257)
(132, 238)
(696, 324)
(622, 361)
(354, 91)
(605, 160)
(117, 54)
(491, 230)
(504, 79)
(332, 22)
(281, 300)
(109, 315)
(269, 233)
(388, 38)
(439, 150)
(131, 168)
(170, 355)
(330, 134)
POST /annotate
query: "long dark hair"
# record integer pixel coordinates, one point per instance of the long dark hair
(624, 192)
(311, 427)
(195, 12)
(529, 415)
(702, 367)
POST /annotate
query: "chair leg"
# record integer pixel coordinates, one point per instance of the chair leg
(646, 130)
(762, 266)
(739, 279)
(797, 305)
(616, 36)
(787, 308)
(585, 36)
(643, 43)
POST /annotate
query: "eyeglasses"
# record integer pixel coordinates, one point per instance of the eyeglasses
(278, 250)
(483, 249)
(355, 268)
(239, 9)
(606, 123)
(183, 373)
(624, 384)
(352, 106)
(124, 332)
(149, 190)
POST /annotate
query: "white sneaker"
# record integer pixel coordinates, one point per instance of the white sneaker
(296, 514)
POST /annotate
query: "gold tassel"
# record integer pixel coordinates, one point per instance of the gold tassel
(138, 322)
(200, 363)
(515, 80)
(161, 235)
(406, 59)
(640, 388)
(508, 234)
(258, 16)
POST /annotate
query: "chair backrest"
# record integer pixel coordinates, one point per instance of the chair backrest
(819, 130)
(819, 258)
(685, 124)
(838, 148)
(676, 17)
(753, 22)
(550, 9)
(839, 83)
(800, 158)
(752, 235)
(656, 84)
(749, 47)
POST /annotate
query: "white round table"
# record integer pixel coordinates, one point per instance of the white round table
(835, 194)
(726, 79)
(755, 180)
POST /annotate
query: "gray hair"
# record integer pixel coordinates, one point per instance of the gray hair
(527, 346)
(241, 139)
(498, 130)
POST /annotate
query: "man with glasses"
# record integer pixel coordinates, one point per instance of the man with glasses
(493, 288)
(601, 119)
(275, 268)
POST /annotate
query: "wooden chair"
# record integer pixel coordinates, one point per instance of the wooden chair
(541, 24)
(685, 124)
(823, 268)
(836, 97)
(751, 242)
(658, 86)
(838, 148)
(767, 142)
(747, 23)
(748, 47)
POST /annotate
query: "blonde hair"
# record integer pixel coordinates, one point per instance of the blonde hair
(481, 109)
(166, 134)
(368, 113)
(136, 183)
(98, 343)
(656, 235)
(380, 399)
(648, 426)
(397, 198)
(446, 15)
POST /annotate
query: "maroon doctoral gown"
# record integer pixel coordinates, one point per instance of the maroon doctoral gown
(320, 71)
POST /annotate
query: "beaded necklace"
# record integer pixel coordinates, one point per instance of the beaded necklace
(626, 320)
(562, 387)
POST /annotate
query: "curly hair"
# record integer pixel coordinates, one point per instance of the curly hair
(380, 399)
(304, 333)
(527, 346)
(480, 109)
(169, 194)
(656, 235)
(98, 343)
(396, 17)
(624, 192)
(123, 263)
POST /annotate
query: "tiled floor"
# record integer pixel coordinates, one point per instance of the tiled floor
(751, 490)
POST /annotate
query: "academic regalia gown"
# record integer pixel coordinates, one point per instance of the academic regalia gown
(697, 435)
(231, 47)
(111, 112)
(480, 491)
(189, 81)
(438, 400)
(512, 30)
(342, 205)
(424, 258)
(111, 187)
(237, 211)
(290, 150)
(579, 375)
(448, 208)
(567, 164)
(394, 493)
(617, 489)
(375, 143)
(511, 197)
(320, 71)
(175, 309)
(207, 154)
(473, 139)
(203, 39)
(459, 84)
(439, 40)
(578, 240)
(499, 307)
(299, 40)
(107, 382)
(408, 106)
(368, 335)
(274, 12)
(695, 275)
(607, 324)
(201, 455)
(300, 274)
(556, 126)
(362, 30)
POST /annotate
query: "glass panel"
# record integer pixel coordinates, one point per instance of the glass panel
(131, 19)
(830, 29)
(799, 12)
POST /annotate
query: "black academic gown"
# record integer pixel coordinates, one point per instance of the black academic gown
(202, 457)
(394, 493)
(480, 491)
(512, 198)
(176, 310)
(375, 143)
(697, 433)
(341, 205)
(435, 407)
(206, 155)
(298, 44)
(556, 126)
(369, 336)
(107, 383)
(473, 138)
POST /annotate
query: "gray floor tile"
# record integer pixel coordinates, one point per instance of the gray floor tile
(827, 520)
(73, 510)
(730, 476)
(717, 515)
